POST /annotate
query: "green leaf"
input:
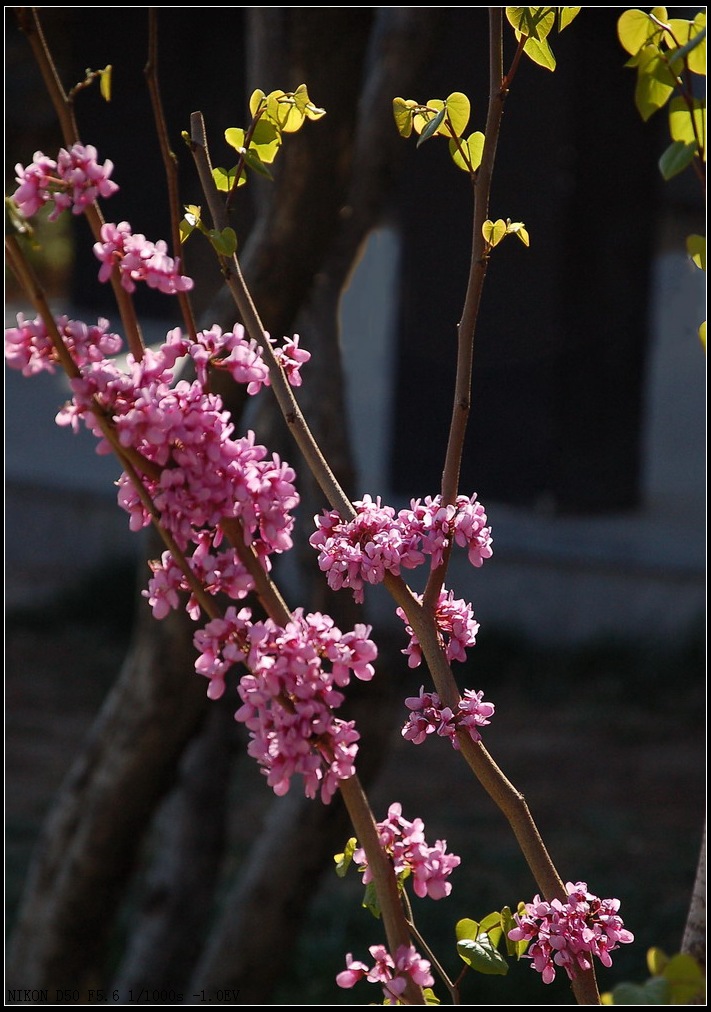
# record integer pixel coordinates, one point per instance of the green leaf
(540, 52)
(466, 928)
(481, 955)
(681, 125)
(256, 101)
(696, 248)
(431, 129)
(224, 179)
(566, 15)
(343, 860)
(458, 111)
(655, 84)
(430, 997)
(105, 82)
(403, 113)
(652, 992)
(687, 42)
(467, 154)
(235, 138)
(676, 158)
(252, 159)
(370, 900)
(493, 231)
(492, 920)
(224, 242)
(635, 29)
(685, 977)
(702, 334)
(516, 949)
(535, 22)
(265, 140)
(656, 961)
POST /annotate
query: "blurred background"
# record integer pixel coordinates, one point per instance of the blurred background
(586, 445)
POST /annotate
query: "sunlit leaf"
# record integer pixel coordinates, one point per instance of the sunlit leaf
(225, 180)
(235, 138)
(482, 956)
(657, 959)
(425, 114)
(458, 111)
(494, 231)
(696, 248)
(566, 15)
(467, 154)
(516, 949)
(540, 52)
(635, 29)
(403, 113)
(430, 997)
(466, 928)
(702, 334)
(655, 85)
(105, 83)
(256, 101)
(343, 860)
(534, 22)
(681, 124)
(677, 157)
(687, 42)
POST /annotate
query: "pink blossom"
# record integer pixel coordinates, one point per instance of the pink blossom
(392, 973)
(430, 717)
(291, 357)
(138, 259)
(73, 182)
(455, 623)
(404, 842)
(29, 347)
(568, 934)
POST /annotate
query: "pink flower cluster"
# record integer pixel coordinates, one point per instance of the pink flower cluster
(359, 551)
(74, 181)
(289, 694)
(138, 259)
(405, 844)
(391, 973)
(568, 934)
(457, 626)
(243, 358)
(430, 717)
(30, 348)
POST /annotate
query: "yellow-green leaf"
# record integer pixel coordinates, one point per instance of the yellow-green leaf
(403, 113)
(635, 29)
(425, 114)
(702, 335)
(466, 928)
(256, 101)
(432, 127)
(458, 111)
(655, 85)
(105, 82)
(566, 15)
(696, 248)
(493, 231)
(224, 179)
(677, 157)
(430, 997)
(467, 154)
(235, 138)
(685, 977)
(343, 860)
(681, 125)
(534, 22)
(540, 52)
(266, 140)
(656, 961)
(687, 40)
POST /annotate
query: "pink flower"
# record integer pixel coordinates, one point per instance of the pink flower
(566, 935)
(73, 182)
(391, 973)
(138, 259)
(456, 624)
(404, 842)
(430, 717)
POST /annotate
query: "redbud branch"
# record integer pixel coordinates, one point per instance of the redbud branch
(424, 947)
(29, 23)
(170, 162)
(477, 273)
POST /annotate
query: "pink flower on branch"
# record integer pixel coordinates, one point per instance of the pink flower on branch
(29, 347)
(73, 182)
(567, 935)
(138, 259)
(430, 717)
(359, 551)
(404, 842)
(290, 693)
(456, 624)
(391, 973)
